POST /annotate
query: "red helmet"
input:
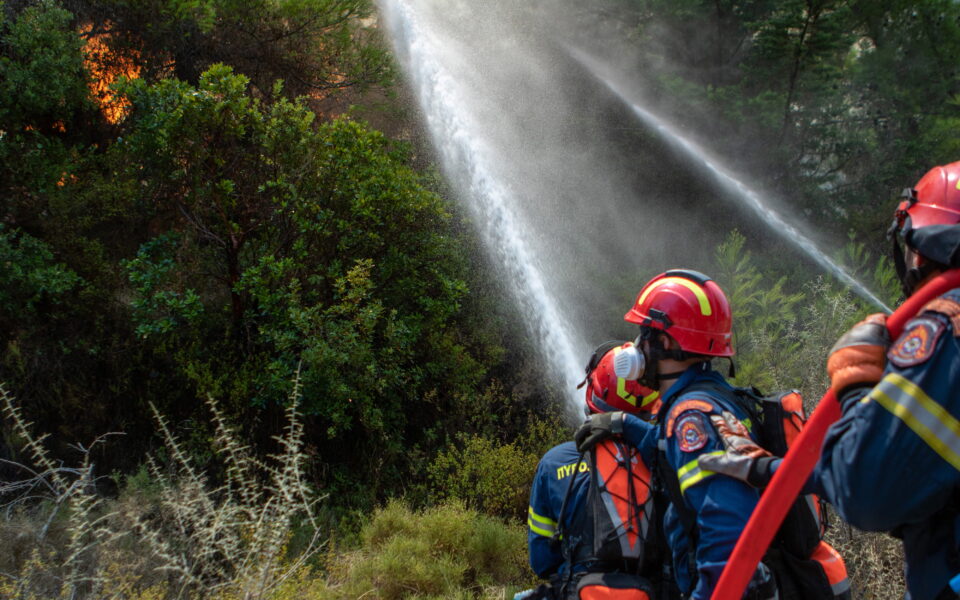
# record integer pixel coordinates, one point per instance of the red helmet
(690, 307)
(606, 392)
(933, 202)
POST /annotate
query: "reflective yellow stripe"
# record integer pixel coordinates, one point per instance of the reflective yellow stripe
(538, 518)
(540, 525)
(693, 464)
(691, 473)
(921, 413)
(538, 530)
(690, 285)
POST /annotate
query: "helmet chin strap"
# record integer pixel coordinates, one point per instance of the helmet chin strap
(910, 277)
(658, 353)
(900, 233)
(674, 375)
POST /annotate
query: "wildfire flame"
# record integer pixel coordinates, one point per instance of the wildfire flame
(105, 67)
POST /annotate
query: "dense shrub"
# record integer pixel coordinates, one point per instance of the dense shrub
(443, 552)
(487, 476)
(218, 237)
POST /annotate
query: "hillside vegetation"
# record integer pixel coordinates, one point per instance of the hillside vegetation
(251, 348)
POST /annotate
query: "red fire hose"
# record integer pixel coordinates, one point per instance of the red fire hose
(801, 459)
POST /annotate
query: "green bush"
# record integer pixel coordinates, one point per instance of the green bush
(291, 244)
(490, 477)
(443, 552)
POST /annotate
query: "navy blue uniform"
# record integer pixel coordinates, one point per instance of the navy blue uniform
(722, 505)
(550, 485)
(892, 462)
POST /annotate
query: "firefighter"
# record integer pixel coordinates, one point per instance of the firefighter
(560, 526)
(892, 462)
(685, 322)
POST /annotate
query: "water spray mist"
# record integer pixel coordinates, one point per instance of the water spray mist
(730, 182)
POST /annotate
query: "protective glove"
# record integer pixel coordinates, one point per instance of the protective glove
(742, 458)
(860, 355)
(600, 427)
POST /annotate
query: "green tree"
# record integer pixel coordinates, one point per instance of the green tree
(831, 105)
(219, 237)
(297, 243)
(61, 324)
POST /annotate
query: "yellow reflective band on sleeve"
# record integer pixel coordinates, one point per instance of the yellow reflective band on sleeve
(541, 525)
(701, 295)
(691, 473)
(936, 427)
(622, 385)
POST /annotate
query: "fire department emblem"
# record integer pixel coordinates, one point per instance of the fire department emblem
(679, 409)
(691, 432)
(917, 343)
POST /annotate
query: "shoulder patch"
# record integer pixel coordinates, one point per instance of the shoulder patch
(691, 432)
(916, 344)
(682, 407)
(949, 307)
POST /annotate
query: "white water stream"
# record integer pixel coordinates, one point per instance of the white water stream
(473, 168)
(729, 181)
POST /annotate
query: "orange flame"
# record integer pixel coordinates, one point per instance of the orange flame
(105, 67)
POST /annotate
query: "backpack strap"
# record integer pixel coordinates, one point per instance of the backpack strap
(569, 547)
(557, 539)
(688, 520)
(660, 554)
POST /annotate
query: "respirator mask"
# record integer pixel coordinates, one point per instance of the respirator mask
(630, 363)
(636, 364)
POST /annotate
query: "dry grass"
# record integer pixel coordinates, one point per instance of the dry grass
(874, 561)
(189, 540)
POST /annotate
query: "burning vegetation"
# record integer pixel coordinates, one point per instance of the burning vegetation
(106, 66)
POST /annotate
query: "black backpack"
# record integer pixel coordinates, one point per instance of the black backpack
(806, 567)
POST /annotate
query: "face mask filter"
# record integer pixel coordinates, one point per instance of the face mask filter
(630, 363)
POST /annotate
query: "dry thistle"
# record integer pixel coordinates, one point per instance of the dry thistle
(225, 541)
